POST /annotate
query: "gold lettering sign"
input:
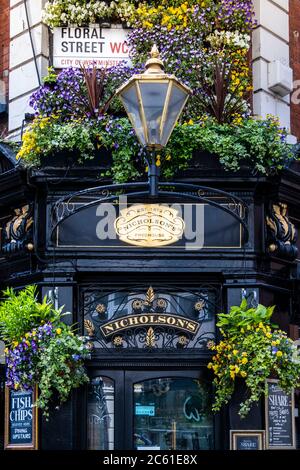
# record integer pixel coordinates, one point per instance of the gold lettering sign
(149, 225)
(152, 319)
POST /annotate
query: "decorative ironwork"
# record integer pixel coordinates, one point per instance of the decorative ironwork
(149, 297)
(17, 231)
(281, 233)
(89, 326)
(150, 338)
(199, 305)
(118, 341)
(73, 203)
(101, 309)
(152, 321)
(182, 341)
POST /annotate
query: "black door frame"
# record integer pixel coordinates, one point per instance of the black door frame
(123, 411)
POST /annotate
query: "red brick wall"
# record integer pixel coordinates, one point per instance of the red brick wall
(4, 53)
(295, 64)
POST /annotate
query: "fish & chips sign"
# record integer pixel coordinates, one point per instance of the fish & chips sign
(87, 45)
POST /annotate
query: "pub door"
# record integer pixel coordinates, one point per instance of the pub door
(149, 410)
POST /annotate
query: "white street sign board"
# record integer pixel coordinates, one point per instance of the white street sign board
(87, 45)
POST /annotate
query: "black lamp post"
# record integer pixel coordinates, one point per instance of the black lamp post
(153, 101)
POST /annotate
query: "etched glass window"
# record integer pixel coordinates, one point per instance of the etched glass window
(100, 414)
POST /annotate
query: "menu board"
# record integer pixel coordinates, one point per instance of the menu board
(280, 419)
(247, 440)
(20, 419)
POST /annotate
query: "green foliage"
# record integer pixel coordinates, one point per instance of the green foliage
(60, 368)
(242, 316)
(20, 312)
(41, 349)
(259, 144)
(253, 351)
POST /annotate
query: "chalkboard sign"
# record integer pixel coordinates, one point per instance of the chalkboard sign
(20, 419)
(280, 419)
(247, 440)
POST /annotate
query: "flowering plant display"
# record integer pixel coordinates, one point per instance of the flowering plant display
(65, 122)
(214, 62)
(40, 348)
(83, 12)
(253, 350)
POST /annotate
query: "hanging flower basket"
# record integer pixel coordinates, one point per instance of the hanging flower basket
(40, 348)
(252, 350)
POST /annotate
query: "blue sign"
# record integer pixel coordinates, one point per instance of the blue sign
(145, 410)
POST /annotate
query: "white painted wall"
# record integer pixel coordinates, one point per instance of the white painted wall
(23, 77)
(271, 43)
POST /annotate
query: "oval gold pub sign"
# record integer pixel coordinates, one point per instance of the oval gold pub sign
(149, 225)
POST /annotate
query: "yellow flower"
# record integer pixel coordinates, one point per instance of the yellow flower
(5, 350)
(235, 351)
(33, 332)
(244, 360)
(15, 344)
(244, 374)
(244, 354)
(248, 327)
(237, 369)
(209, 365)
(232, 375)
(27, 335)
(168, 157)
(261, 325)
(279, 353)
(58, 331)
(229, 356)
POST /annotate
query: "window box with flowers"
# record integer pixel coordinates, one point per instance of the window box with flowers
(252, 350)
(40, 348)
(77, 113)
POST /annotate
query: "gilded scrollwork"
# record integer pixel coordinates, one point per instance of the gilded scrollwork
(281, 232)
(16, 232)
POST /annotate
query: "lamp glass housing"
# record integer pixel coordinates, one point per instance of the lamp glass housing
(153, 104)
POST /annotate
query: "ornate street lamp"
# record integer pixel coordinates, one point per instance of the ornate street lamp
(153, 101)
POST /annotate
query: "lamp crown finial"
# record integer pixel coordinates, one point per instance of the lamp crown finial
(155, 52)
(154, 65)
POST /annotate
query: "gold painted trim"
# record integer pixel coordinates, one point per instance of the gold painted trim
(35, 429)
(293, 446)
(165, 110)
(247, 433)
(112, 248)
(142, 111)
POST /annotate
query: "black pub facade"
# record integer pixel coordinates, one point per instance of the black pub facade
(144, 275)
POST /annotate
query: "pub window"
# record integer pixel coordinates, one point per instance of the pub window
(100, 414)
(173, 413)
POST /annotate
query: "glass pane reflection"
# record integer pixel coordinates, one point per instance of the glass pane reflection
(173, 414)
(100, 414)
